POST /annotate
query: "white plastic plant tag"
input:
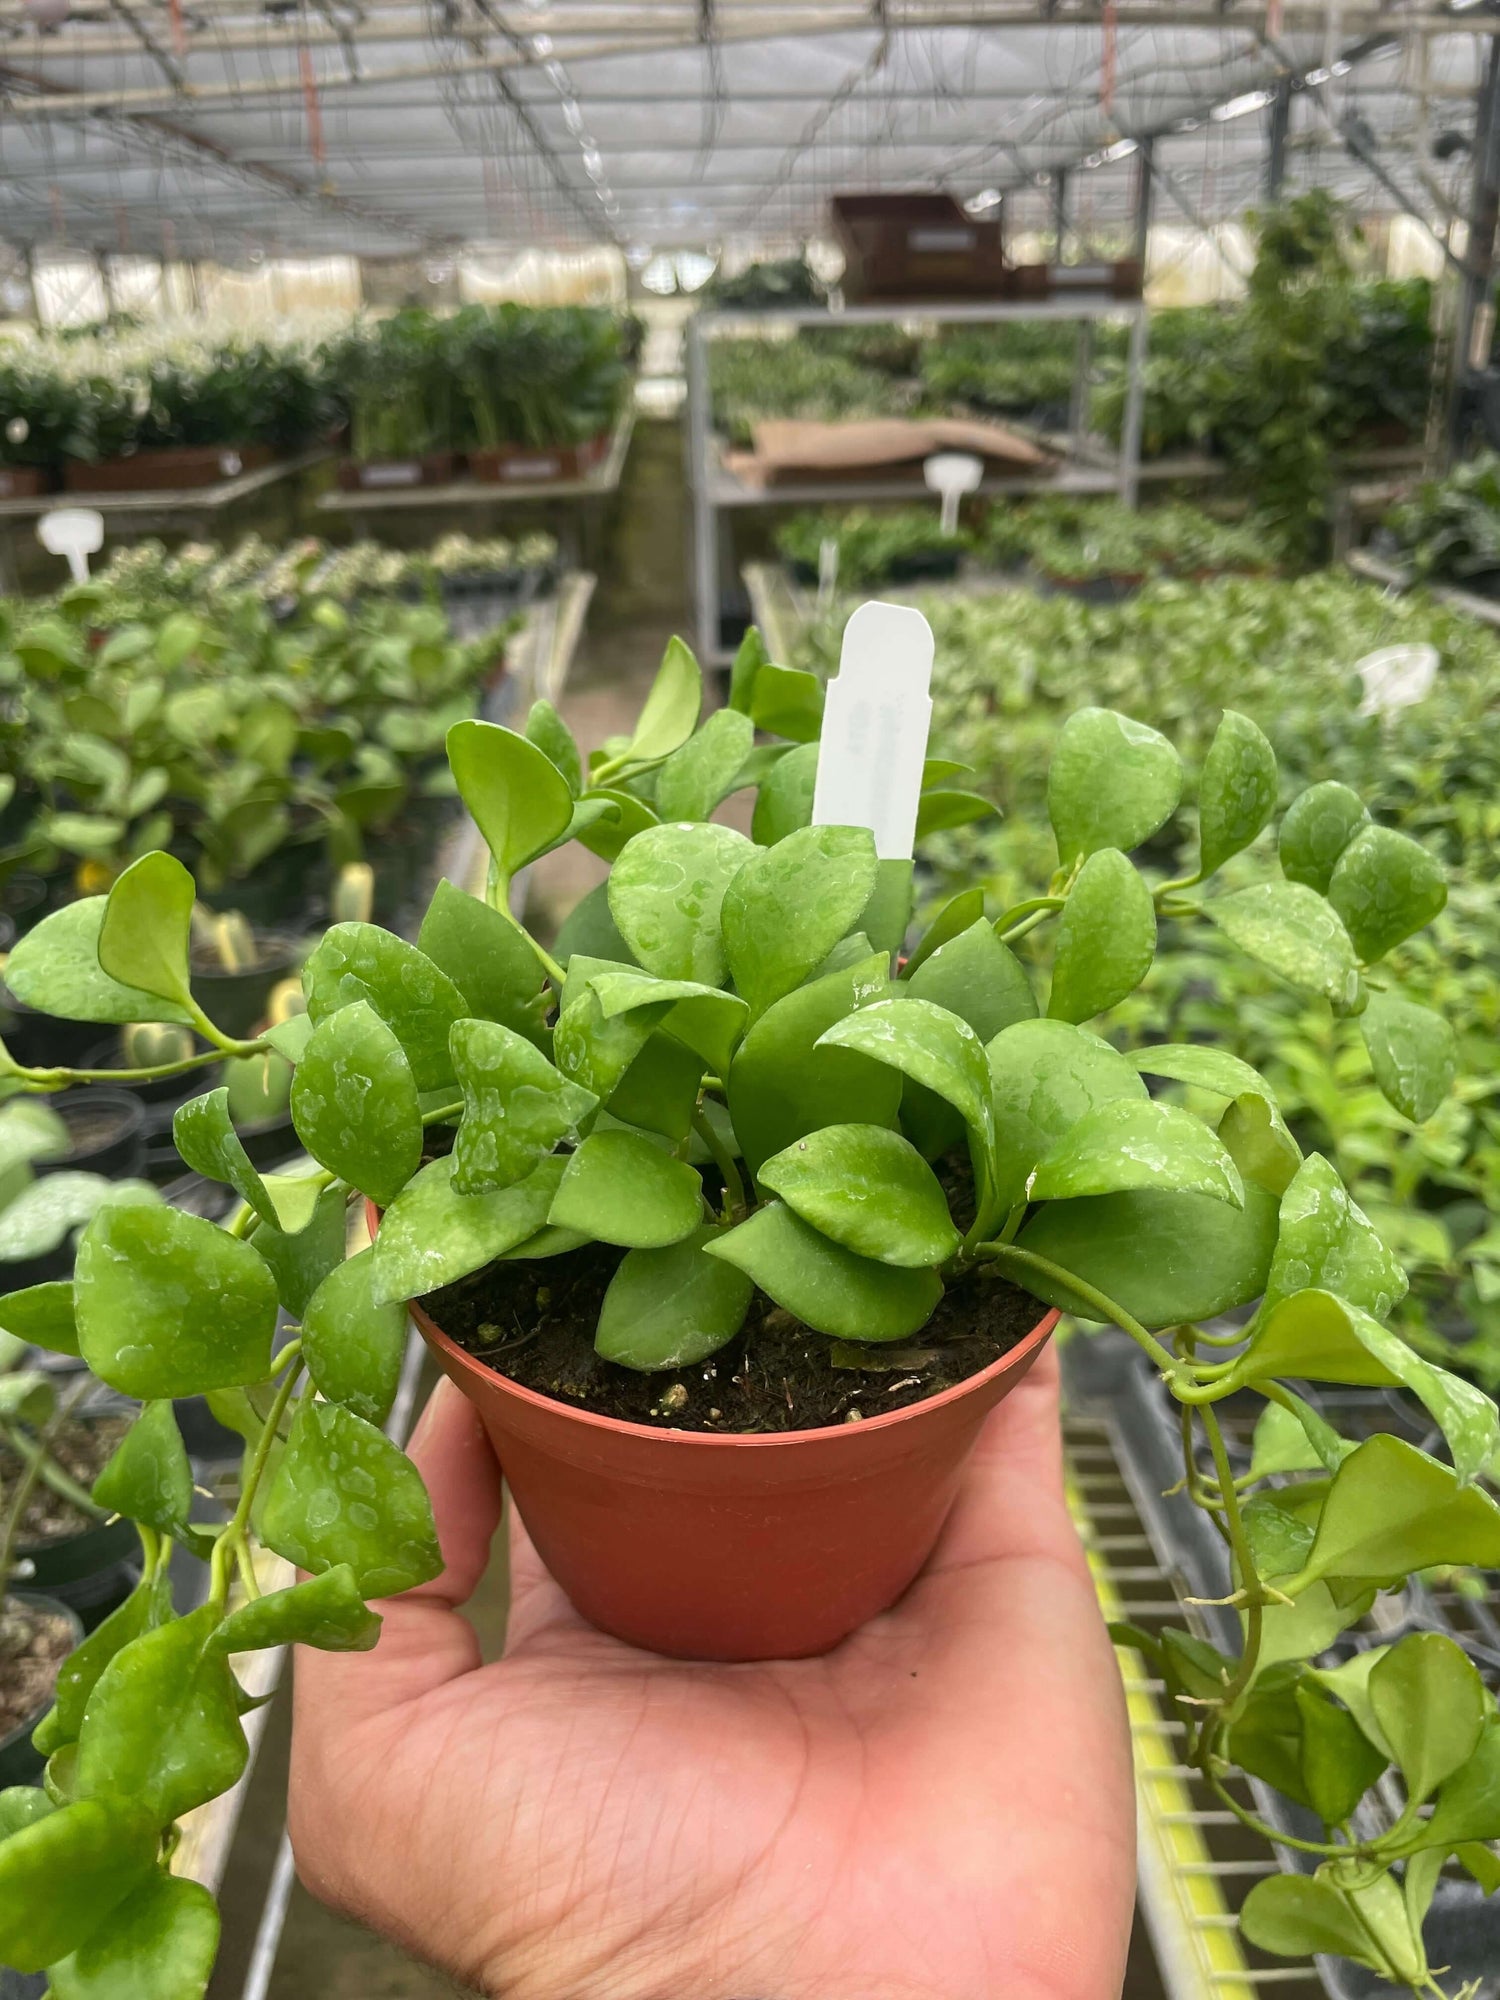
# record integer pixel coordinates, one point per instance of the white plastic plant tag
(828, 571)
(1397, 677)
(875, 728)
(952, 474)
(74, 532)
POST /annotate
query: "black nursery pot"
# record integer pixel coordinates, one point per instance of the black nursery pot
(91, 1573)
(237, 1001)
(20, 1763)
(108, 1131)
(43, 1041)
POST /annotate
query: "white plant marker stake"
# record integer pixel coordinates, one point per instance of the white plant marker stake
(828, 571)
(1397, 677)
(74, 532)
(875, 728)
(952, 474)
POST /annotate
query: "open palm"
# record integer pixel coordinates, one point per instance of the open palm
(940, 1809)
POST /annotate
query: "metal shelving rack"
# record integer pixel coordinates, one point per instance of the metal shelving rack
(1087, 468)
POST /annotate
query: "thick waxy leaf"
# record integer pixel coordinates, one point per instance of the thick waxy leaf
(1339, 1763)
(417, 1002)
(665, 894)
(786, 1080)
(938, 810)
(170, 1305)
(1256, 1138)
(515, 794)
(955, 917)
(1237, 792)
(148, 1478)
(161, 1941)
(352, 1346)
(660, 1089)
(298, 1264)
(1044, 1077)
(1320, 1338)
(431, 1234)
(976, 977)
(589, 930)
(748, 661)
(1392, 1509)
(1164, 1257)
(868, 1189)
(203, 1133)
(161, 1725)
(355, 1105)
(1209, 1069)
(42, 1316)
(1296, 1916)
(552, 736)
(1468, 1806)
(785, 799)
(1328, 1242)
(1113, 782)
(22, 1805)
(669, 1308)
(343, 1493)
(326, 1611)
(1431, 1707)
(1131, 1144)
(147, 1606)
(1106, 938)
(670, 713)
(705, 770)
(1295, 1440)
(620, 1188)
(44, 1214)
(1290, 928)
(623, 818)
(789, 905)
(1319, 825)
(56, 968)
(595, 1052)
(63, 1877)
(704, 1018)
(1385, 886)
(487, 958)
(886, 918)
(1413, 1052)
(147, 923)
(827, 1287)
(787, 702)
(932, 1047)
(517, 1106)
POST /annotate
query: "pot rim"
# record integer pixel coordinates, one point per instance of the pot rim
(721, 1440)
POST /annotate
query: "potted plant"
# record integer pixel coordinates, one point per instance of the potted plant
(734, 1228)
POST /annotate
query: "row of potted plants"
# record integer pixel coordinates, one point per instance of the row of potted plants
(727, 1169)
(1448, 531)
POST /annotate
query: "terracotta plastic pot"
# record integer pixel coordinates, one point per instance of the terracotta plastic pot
(708, 1547)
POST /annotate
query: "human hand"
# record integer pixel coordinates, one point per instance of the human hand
(940, 1809)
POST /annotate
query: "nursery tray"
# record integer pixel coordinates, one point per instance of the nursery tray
(600, 478)
(184, 499)
(168, 470)
(1110, 1382)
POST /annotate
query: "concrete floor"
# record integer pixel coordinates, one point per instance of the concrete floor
(641, 601)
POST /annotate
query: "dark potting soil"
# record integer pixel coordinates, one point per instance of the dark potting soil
(533, 1320)
(82, 1449)
(33, 1645)
(91, 1126)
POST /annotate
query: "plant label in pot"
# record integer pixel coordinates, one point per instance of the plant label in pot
(734, 1214)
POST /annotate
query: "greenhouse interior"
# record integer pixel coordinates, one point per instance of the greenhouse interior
(591, 1407)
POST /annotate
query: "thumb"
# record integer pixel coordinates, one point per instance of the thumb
(424, 1641)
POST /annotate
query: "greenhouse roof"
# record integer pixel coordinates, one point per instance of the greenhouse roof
(223, 129)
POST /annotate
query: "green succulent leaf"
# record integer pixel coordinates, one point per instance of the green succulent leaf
(299, 1263)
(956, 916)
(1468, 1804)
(1106, 938)
(703, 771)
(517, 1106)
(63, 1877)
(594, 1050)
(671, 1307)
(826, 1286)
(867, 1188)
(55, 968)
(203, 1133)
(703, 1018)
(1255, 1136)
(170, 1305)
(148, 1477)
(418, 1003)
(353, 1346)
(977, 977)
(935, 1049)
(1413, 1052)
(343, 1494)
(1392, 1509)
(670, 713)
(785, 799)
(42, 1316)
(147, 1606)
(789, 905)
(146, 928)
(1237, 791)
(624, 816)
(1113, 783)
(432, 1234)
(589, 931)
(1385, 886)
(488, 959)
(665, 895)
(22, 1805)
(1296, 1916)
(1327, 1241)
(515, 794)
(1290, 928)
(161, 1940)
(947, 807)
(552, 736)
(355, 1104)
(1319, 825)
(620, 1188)
(1133, 1144)
(786, 701)
(1044, 1077)
(1295, 1440)
(325, 1611)
(750, 657)
(1432, 1708)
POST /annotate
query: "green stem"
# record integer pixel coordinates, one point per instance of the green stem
(1106, 1307)
(734, 1187)
(229, 1540)
(38, 1458)
(51, 1473)
(1026, 916)
(1272, 1833)
(443, 1111)
(1239, 1542)
(65, 1079)
(1164, 889)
